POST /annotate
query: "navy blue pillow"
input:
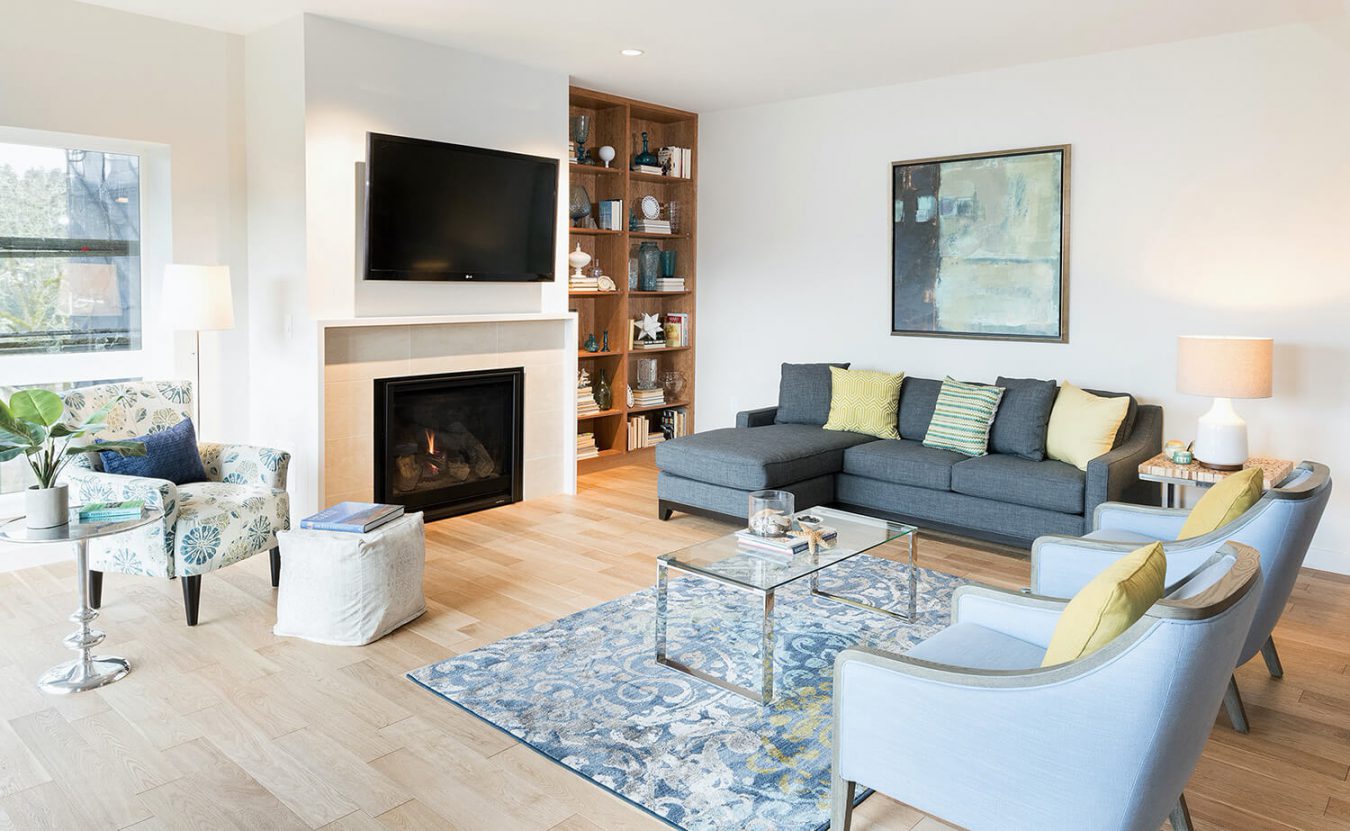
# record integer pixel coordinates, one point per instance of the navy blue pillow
(169, 454)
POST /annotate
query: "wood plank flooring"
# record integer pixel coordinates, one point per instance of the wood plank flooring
(226, 726)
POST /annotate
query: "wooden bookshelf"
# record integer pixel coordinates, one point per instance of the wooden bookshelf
(619, 122)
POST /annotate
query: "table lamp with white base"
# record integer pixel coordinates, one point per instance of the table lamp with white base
(1223, 368)
(197, 298)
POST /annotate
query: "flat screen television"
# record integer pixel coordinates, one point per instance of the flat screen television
(437, 211)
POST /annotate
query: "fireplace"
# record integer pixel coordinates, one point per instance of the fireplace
(449, 444)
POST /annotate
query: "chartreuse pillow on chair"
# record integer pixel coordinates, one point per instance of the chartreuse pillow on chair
(1224, 503)
(863, 401)
(1108, 605)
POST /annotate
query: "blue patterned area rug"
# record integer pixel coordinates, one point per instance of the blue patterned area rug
(587, 692)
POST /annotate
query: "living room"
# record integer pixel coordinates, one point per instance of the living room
(768, 454)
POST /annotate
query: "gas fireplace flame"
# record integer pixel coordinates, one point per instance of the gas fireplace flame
(431, 440)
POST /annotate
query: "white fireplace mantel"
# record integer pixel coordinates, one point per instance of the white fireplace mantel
(441, 320)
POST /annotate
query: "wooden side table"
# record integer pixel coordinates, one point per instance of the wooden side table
(1174, 477)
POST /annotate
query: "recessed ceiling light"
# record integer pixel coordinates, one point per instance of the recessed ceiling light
(630, 53)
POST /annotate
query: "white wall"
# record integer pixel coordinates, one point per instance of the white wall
(73, 68)
(315, 87)
(358, 81)
(1210, 186)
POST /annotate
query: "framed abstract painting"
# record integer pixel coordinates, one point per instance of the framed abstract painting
(980, 246)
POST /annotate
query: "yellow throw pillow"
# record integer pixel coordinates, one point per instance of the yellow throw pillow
(863, 401)
(1108, 605)
(1083, 426)
(1224, 502)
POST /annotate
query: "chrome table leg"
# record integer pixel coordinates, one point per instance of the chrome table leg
(88, 671)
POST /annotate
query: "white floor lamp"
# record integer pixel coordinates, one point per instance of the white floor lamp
(197, 298)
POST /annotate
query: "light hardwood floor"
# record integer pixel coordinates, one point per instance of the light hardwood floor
(227, 726)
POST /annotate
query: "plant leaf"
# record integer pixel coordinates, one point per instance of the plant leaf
(60, 431)
(40, 406)
(7, 453)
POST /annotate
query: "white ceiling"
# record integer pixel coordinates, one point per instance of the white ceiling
(713, 54)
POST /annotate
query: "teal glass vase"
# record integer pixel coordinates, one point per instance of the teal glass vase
(646, 157)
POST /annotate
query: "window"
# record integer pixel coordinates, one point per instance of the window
(70, 250)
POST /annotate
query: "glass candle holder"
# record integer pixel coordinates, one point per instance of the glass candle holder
(771, 513)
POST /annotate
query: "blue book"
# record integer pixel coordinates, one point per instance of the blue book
(352, 517)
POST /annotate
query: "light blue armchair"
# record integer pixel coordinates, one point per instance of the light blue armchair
(1280, 526)
(969, 727)
(203, 526)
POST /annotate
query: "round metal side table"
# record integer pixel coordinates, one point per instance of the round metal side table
(87, 671)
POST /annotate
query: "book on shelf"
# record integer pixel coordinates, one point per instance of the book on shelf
(675, 422)
(352, 517)
(111, 511)
(676, 162)
(586, 447)
(611, 214)
(654, 169)
(649, 398)
(670, 284)
(651, 226)
(641, 434)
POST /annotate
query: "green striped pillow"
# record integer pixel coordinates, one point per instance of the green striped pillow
(963, 416)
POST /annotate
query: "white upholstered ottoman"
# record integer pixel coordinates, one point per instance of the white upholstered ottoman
(350, 589)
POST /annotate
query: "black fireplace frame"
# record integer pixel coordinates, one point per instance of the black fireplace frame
(411, 383)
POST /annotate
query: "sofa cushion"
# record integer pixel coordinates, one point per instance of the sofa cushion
(1108, 605)
(1126, 426)
(918, 399)
(903, 462)
(963, 416)
(169, 454)
(804, 393)
(1023, 417)
(757, 457)
(1055, 486)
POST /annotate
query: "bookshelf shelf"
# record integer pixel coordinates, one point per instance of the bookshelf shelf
(620, 122)
(667, 405)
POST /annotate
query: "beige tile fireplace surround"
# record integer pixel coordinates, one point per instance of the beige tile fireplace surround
(358, 351)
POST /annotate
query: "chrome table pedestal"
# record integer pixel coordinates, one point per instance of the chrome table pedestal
(88, 671)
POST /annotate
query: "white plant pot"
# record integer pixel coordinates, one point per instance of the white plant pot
(47, 507)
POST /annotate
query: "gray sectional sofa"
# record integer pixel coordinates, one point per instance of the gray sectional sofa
(1009, 497)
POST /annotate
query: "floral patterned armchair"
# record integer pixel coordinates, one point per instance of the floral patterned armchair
(205, 525)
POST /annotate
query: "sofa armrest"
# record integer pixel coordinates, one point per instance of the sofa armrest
(1112, 476)
(245, 464)
(1061, 566)
(1027, 617)
(762, 417)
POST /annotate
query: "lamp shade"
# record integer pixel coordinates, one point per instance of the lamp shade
(197, 297)
(1219, 367)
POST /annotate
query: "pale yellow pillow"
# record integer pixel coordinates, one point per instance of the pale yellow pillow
(1108, 605)
(864, 401)
(1224, 502)
(1083, 426)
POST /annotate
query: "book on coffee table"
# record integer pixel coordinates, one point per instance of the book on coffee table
(784, 545)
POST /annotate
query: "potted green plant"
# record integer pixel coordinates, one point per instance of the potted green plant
(30, 425)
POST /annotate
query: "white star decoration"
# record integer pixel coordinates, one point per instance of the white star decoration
(650, 327)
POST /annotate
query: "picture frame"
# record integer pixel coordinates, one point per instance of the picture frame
(986, 258)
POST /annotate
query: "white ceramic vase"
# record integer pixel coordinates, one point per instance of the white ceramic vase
(47, 507)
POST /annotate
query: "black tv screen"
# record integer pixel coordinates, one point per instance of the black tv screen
(438, 211)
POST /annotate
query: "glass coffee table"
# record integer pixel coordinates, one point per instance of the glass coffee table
(726, 561)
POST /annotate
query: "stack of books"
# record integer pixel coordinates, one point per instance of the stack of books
(586, 401)
(670, 284)
(676, 161)
(111, 511)
(641, 434)
(352, 517)
(586, 448)
(650, 226)
(582, 282)
(654, 169)
(674, 422)
(649, 398)
(611, 214)
(676, 329)
(785, 547)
